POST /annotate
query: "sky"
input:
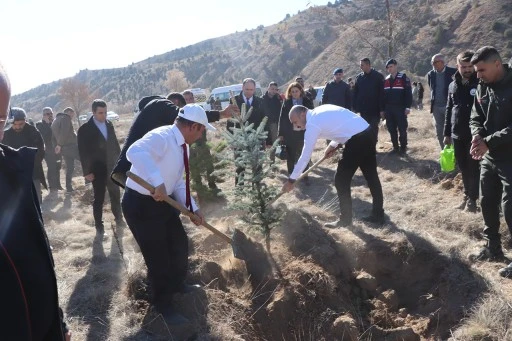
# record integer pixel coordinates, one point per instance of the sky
(44, 41)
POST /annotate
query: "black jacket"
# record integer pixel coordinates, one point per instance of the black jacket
(285, 126)
(46, 132)
(458, 109)
(491, 117)
(155, 111)
(97, 154)
(397, 92)
(338, 94)
(29, 137)
(369, 93)
(272, 107)
(257, 114)
(28, 281)
(431, 80)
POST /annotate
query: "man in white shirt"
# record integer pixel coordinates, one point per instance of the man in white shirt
(341, 126)
(161, 157)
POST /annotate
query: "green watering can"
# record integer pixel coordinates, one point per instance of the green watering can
(447, 158)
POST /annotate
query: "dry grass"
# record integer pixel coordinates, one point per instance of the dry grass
(421, 253)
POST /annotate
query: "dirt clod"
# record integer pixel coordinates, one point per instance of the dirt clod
(345, 328)
(367, 281)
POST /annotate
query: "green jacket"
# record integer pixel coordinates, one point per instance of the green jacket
(491, 116)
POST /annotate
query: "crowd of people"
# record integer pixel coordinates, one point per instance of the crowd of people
(471, 108)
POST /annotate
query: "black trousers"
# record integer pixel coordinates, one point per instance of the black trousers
(373, 120)
(469, 167)
(294, 144)
(359, 152)
(158, 230)
(396, 122)
(99, 184)
(69, 154)
(70, 168)
(53, 163)
(495, 189)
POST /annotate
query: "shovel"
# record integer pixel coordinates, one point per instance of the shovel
(299, 178)
(238, 251)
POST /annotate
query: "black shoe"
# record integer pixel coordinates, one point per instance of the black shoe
(486, 254)
(69, 190)
(395, 151)
(374, 219)
(189, 288)
(506, 271)
(471, 206)
(403, 151)
(338, 223)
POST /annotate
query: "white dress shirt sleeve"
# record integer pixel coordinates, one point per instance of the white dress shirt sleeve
(310, 138)
(142, 153)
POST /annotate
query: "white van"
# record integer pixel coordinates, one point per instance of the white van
(222, 94)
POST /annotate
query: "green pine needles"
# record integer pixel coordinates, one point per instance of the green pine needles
(252, 193)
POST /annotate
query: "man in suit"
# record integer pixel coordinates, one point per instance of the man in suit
(256, 103)
(98, 149)
(438, 79)
(53, 161)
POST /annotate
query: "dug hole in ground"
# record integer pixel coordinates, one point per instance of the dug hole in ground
(408, 280)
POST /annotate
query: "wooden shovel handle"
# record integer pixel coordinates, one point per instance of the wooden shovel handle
(299, 178)
(177, 205)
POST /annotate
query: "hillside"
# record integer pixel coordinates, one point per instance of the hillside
(311, 42)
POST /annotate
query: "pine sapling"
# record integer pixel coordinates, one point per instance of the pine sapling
(252, 193)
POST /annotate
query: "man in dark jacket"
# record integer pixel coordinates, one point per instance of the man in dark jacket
(21, 134)
(53, 161)
(397, 105)
(99, 149)
(337, 92)
(155, 111)
(491, 127)
(369, 95)
(66, 145)
(28, 286)
(461, 96)
(272, 104)
(438, 79)
(247, 96)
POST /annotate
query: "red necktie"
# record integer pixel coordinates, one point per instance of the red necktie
(188, 202)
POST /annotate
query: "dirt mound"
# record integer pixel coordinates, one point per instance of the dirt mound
(396, 285)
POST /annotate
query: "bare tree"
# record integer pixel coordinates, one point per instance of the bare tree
(76, 95)
(363, 33)
(176, 80)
